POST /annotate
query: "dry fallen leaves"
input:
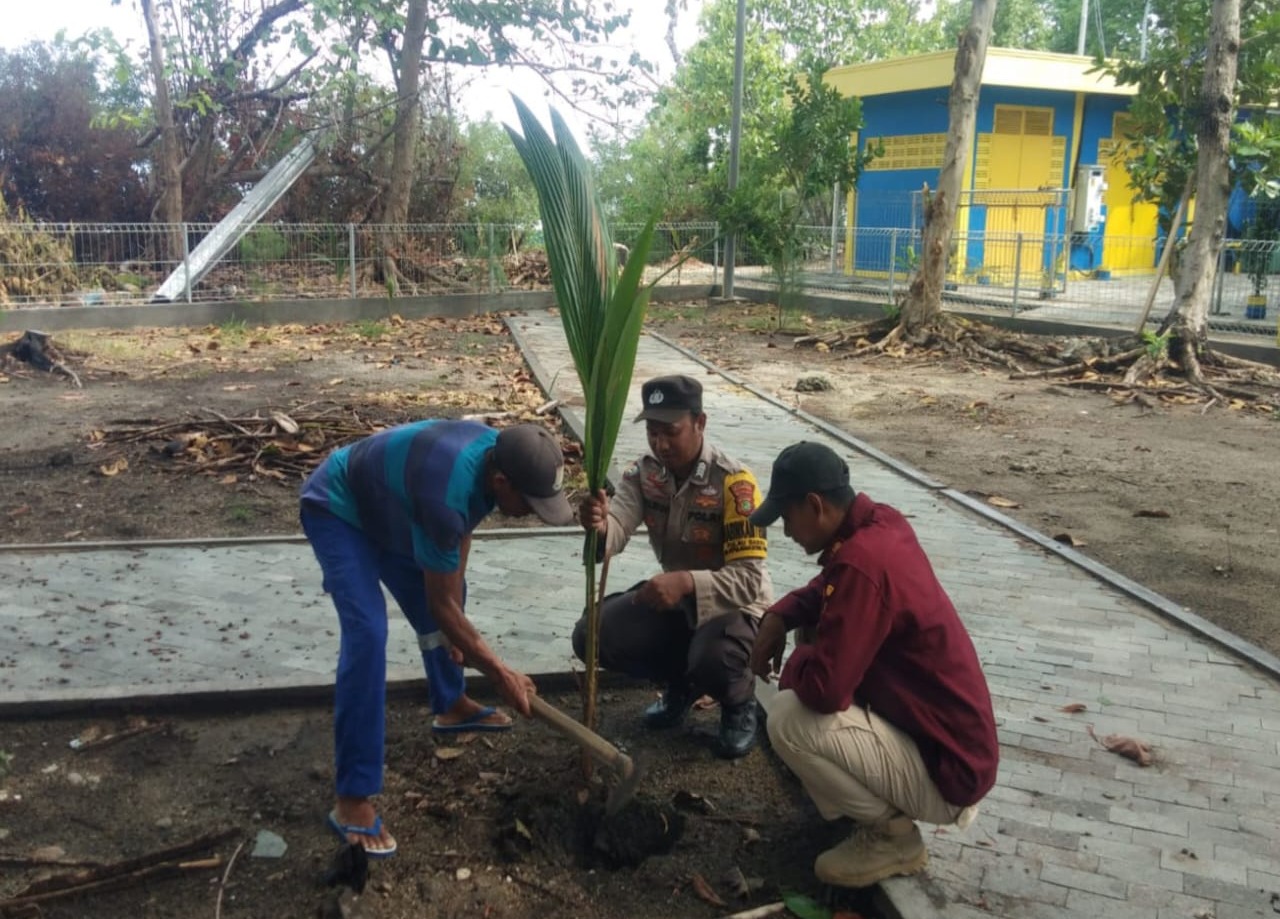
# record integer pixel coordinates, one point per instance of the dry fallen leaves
(115, 467)
(997, 501)
(1074, 708)
(1128, 747)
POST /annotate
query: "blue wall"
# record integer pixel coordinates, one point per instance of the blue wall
(883, 197)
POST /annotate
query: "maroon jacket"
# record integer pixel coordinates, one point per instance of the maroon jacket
(889, 639)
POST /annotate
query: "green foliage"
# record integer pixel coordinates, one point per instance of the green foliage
(370, 329)
(1157, 345)
(809, 151)
(804, 907)
(263, 245)
(494, 187)
(1161, 149)
(233, 331)
(602, 313)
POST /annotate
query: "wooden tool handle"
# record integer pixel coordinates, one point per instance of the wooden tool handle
(589, 740)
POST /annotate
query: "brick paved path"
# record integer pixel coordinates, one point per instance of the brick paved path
(1070, 830)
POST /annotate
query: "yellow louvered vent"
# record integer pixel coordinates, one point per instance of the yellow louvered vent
(1008, 120)
(910, 151)
(1057, 162)
(1038, 122)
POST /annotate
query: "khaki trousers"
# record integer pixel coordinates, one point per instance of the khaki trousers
(856, 764)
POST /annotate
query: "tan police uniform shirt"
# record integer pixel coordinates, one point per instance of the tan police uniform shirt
(701, 527)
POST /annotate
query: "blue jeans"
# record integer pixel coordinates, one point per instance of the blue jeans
(355, 568)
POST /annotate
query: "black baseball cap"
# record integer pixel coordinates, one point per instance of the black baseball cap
(668, 399)
(799, 470)
(530, 456)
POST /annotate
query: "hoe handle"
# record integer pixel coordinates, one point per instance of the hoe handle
(589, 740)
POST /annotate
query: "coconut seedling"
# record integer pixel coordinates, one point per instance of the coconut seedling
(602, 310)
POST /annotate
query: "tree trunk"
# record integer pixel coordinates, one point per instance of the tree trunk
(395, 204)
(923, 302)
(1194, 281)
(168, 206)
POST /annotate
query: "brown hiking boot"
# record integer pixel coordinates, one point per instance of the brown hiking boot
(872, 854)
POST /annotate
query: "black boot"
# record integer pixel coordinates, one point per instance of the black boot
(669, 711)
(737, 730)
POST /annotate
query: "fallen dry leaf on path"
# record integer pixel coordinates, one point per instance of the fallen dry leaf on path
(1128, 747)
(1069, 540)
(1157, 514)
(1074, 708)
(997, 501)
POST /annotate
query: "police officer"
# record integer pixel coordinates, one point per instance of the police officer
(692, 626)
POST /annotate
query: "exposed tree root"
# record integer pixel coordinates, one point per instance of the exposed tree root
(1123, 364)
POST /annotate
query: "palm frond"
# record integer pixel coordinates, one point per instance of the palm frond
(602, 313)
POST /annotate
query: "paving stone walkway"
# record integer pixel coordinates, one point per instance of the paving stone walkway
(1071, 830)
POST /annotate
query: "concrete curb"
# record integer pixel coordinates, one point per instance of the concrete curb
(259, 313)
(232, 541)
(216, 698)
(1260, 658)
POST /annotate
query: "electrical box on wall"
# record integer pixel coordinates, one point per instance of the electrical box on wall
(1089, 209)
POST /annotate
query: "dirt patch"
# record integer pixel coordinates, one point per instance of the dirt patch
(149, 447)
(487, 826)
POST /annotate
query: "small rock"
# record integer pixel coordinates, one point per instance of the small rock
(317, 773)
(49, 769)
(4, 834)
(268, 845)
(48, 853)
(814, 382)
(463, 874)
(75, 778)
(164, 823)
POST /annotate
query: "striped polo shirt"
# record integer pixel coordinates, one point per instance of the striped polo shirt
(416, 489)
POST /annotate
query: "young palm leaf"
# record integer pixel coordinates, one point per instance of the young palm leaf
(602, 312)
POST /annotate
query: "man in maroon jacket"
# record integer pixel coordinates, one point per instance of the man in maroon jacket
(885, 717)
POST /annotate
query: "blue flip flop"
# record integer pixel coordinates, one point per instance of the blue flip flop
(474, 724)
(373, 851)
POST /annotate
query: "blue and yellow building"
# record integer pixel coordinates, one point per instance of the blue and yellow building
(1042, 189)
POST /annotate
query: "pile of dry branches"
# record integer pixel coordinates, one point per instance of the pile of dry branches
(1127, 367)
(527, 269)
(33, 263)
(280, 446)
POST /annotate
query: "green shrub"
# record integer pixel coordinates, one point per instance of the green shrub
(262, 245)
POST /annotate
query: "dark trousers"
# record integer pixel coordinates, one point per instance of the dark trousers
(662, 645)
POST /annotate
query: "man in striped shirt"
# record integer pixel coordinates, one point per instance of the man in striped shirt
(398, 509)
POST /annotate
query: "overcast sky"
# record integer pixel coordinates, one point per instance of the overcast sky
(26, 21)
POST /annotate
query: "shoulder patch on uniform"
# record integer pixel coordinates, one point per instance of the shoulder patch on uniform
(631, 471)
(741, 539)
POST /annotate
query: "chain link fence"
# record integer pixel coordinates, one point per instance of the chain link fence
(874, 265)
(106, 264)
(1032, 275)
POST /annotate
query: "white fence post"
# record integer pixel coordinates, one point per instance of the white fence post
(351, 258)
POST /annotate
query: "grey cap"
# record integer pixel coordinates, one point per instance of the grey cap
(530, 457)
